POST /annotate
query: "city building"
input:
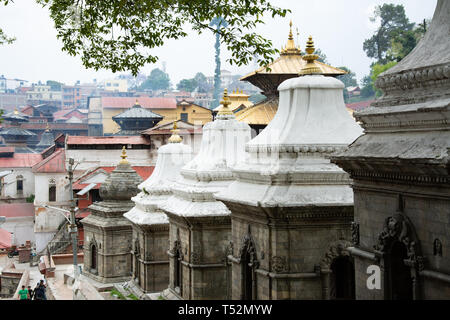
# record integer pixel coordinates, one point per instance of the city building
(135, 120)
(14, 135)
(116, 85)
(50, 177)
(16, 176)
(19, 222)
(92, 152)
(160, 134)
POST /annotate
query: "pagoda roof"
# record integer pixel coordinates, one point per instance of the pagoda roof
(16, 116)
(292, 64)
(259, 114)
(16, 131)
(287, 66)
(137, 112)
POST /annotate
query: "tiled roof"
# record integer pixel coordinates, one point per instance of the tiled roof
(16, 131)
(137, 112)
(259, 114)
(124, 140)
(54, 163)
(359, 105)
(21, 160)
(145, 102)
(143, 171)
(7, 149)
(5, 239)
(292, 64)
(166, 127)
(13, 210)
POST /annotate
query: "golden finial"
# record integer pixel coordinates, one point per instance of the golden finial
(137, 102)
(291, 36)
(290, 48)
(124, 156)
(175, 138)
(224, 109)
(16, 111)
(47, 128)
(311, 65)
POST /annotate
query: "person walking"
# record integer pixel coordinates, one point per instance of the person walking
(30, 293)
(39, 291)
(23, 294)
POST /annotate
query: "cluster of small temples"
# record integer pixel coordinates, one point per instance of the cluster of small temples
(301, 209)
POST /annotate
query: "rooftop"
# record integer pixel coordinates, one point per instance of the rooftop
(53, 164)
(123, 140)
(145, 102)
(143, 171)
(21, 160)
(5, 239)
(137, 112)
(13, 210)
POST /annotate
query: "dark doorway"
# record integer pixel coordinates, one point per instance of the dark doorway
(52, 193)
(93, 257)
(342, 278)
(247, 277)
(178, 272)
(398, 277)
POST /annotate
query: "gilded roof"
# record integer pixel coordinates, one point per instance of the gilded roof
(259, 114)
(291, 62)
(237, 99)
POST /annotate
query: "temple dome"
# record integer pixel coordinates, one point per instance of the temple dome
(122, 183)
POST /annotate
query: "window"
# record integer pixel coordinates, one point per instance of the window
(184, 117)
(19, 184)
(52, 190)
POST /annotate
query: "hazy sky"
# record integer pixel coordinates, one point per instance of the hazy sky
(338, 27)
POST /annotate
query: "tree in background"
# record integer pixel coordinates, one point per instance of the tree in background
(199, 83)
(188, 85)
(157, 80)
(378, 69)
(349, 80)
(367, 88)
(54, 85)
(393, 21)
(120, 35)
(322, 56)
(202, 83)
(218, 23)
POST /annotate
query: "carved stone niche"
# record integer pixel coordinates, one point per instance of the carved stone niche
(355, 233)
(248, 247)
(399, 228)
(335, 250)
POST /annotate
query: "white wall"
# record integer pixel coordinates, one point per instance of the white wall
(9, 188)
(22, 229)
(93, 158)
(48, 220)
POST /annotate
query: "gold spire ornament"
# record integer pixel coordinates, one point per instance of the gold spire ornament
(47, 128)
(290, 48)
(124, 156)
(224, 109)
(311, 66)
(175, 138)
